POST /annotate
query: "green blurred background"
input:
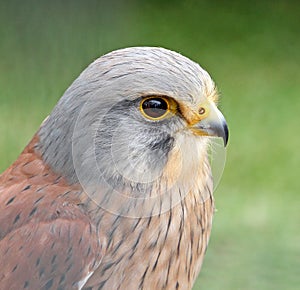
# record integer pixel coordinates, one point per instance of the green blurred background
(252, 50)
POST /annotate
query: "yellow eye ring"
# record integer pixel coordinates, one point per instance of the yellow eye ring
(155, 107)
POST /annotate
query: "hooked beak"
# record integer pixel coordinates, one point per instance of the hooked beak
(214, 124)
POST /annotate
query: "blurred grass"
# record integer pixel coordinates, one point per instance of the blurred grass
(251, 48)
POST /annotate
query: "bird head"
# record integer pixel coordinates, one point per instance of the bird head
(136, 121)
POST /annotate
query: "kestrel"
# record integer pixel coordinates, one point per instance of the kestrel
(114, 191)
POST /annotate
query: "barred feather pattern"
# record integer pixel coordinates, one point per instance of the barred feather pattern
(159, 252)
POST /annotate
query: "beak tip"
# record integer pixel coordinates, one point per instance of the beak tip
(226, 134)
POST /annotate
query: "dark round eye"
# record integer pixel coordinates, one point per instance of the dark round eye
(155, 108)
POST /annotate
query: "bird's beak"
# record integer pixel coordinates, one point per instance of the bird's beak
(213, 124)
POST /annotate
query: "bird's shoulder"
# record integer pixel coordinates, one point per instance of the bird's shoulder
(31, 192)
(45, 234)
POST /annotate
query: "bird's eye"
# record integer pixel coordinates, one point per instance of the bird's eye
(154, 108)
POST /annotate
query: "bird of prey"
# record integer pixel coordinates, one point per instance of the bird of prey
(114, 191)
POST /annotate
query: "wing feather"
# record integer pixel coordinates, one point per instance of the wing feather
(58, 254)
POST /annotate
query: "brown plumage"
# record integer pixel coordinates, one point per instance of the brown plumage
(43, 230)
(54, 234)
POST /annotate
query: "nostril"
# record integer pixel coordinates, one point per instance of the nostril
(201, 111)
